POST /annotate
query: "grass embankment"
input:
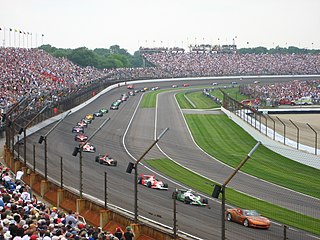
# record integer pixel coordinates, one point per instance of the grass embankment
(225, 140)
(233, 197)
(197, 98)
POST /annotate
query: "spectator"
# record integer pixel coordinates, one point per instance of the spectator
(129, 234)
(118, 233)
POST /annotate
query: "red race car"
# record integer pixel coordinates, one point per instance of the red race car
(151, 182)
(248, 218)
(106, 160)
(80, 138)
(185, 85)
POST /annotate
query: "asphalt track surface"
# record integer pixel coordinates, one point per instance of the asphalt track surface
(201, 222)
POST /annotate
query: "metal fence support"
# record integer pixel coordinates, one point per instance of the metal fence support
(315, 139)
(61, 172)
(284, 130)
(298, 133)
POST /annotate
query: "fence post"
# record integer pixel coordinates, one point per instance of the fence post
(298, 131)
(284, 131)
(316, 139)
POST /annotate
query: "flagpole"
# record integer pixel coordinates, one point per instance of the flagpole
(14, 36)
(19, 37)
(4, 36)
(10, 30)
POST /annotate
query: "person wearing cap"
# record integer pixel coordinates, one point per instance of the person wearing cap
(118, 233)
(129, 234)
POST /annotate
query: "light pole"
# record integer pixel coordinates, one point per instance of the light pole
(24, 130)
(221, 189)
(80, 150)
(135, 167)
(44, 139)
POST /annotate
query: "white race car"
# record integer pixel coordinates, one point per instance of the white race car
(151, 182)
(89, 148)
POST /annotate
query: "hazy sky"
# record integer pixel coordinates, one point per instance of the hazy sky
(149, 23)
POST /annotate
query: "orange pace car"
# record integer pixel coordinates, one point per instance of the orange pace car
(248, 218)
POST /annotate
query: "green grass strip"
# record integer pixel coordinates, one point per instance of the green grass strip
(182, 101)
(201, 184)
(226, 141)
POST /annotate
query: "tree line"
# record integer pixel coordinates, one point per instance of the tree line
(116, 57)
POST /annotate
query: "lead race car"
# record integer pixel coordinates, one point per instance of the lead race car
(106, 160)
(188, 197)
(248, 218)
(151, 182)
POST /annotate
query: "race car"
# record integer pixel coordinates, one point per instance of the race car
(185, 85)
(98, 114)
(131, 86)
(188, 197)
(248, 218)
(114, 107)
(106, 160)
(89, 117)
(87, 121)
(89, 148)
(103, 110)
(82, 124)
(80, 138)
(174, 86)
(78, 129)
(151, 182)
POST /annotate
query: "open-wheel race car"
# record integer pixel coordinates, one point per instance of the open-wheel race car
(89, 148)
(151, 182)
(80, 138)
(188, 197)
(106, 160)
(248, 218)
(77, 130)
(82, 124)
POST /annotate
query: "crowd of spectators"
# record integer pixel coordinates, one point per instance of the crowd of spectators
(212, 64)
(292, 91)
(33, 72)
(24, 217)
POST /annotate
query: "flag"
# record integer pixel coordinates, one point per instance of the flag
(42, 35)
(20, 31)
(0, 28)
(10, 29)
(16, 30)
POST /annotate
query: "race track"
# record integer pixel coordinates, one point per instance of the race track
(177, 144)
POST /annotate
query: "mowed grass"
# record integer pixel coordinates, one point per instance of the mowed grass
(197, 98)
(201, 184)
(233, 92)
(149, 99)
(225, 140)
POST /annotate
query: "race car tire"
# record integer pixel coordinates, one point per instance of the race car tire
(100, 161)
(149, 184)
(115, 163)
(165, 185)
(246, 223)
(140, 180)
(229, 217)
(97, 159)
(187, 200)
(205, 201)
